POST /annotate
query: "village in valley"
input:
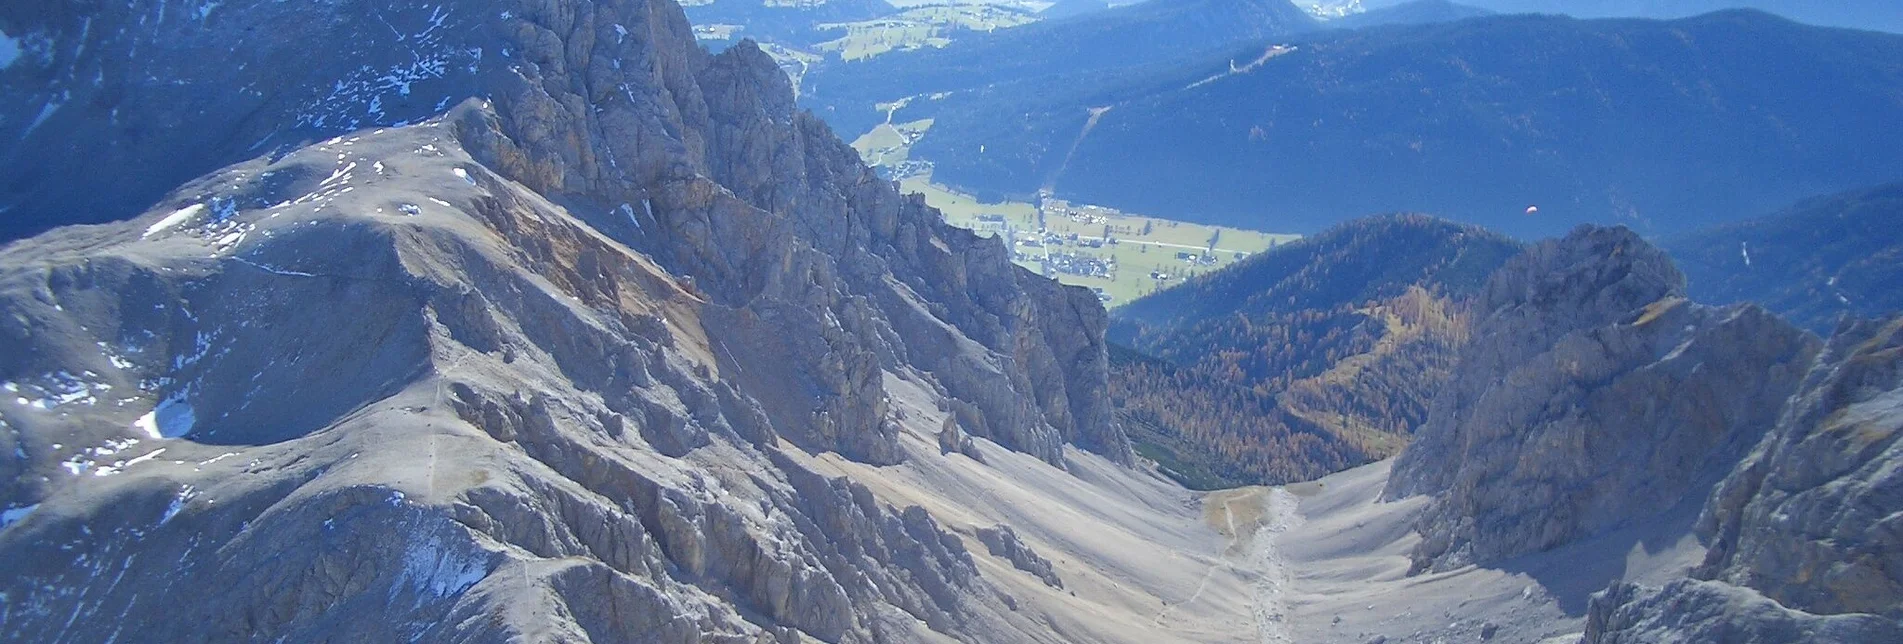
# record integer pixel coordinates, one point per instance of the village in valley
(1120, 255)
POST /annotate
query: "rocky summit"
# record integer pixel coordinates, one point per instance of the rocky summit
(1592, 394)
(500, 320)
(534, 321)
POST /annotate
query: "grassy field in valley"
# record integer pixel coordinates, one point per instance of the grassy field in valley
(1124, 255)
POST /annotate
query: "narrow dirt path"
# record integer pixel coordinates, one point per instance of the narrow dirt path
(1229, 518)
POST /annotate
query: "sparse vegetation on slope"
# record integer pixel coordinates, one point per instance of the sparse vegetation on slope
(1302, 361)
(1811, 263)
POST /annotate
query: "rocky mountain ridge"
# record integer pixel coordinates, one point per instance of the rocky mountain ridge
(1592, 394)
(1802, 531)
(1595, 398)
(514, 310)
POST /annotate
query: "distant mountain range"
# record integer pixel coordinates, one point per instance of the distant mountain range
(1813, 262)
(795, 24)
(1661, 126)
(1306, 359)
(1121, 38)
(1415, 12)
(1884, 15)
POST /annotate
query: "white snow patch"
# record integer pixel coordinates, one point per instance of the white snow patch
(185, 495)
(440, 202)
(177, 217)
(118, 362)
(629, 211)
(47, 111)
(9, 50)
(120, 466)
(1744, 248)
(436, 568)
(172, 418)
(13, 515)
(273, 271)
(464, 175)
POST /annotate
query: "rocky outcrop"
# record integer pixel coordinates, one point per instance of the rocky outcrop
(952, 439)
(610, 108)
(507, 321)
(1591, 395)
(1810, 518)
(1690, 611)
(1003, 543)
(421, 403)
(1801, 535)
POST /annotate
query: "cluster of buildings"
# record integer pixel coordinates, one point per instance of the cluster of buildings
(1079, 264)
(1199, 259)
(1080, 213)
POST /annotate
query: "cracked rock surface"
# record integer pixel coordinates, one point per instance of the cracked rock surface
(510, 320)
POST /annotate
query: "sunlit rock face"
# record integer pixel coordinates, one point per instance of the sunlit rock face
(489, 321)
(1591, 395)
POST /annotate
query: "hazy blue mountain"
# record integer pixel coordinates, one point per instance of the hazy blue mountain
(844, 93)
(1885, 15)
(1415, 12)
(1662, 126)
(791, 24)
(1812, 262)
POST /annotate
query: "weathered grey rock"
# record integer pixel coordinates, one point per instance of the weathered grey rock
(952, 439)
(1813, 518)
(610, 108)
(418, 421)
(1003, 543)
(499, 339)
(1691, 611)
(1591, 395)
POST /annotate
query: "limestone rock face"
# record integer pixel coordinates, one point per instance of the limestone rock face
(609, 108)
(1591, 394)
(1811, 517)
(506, 320)
(1690, 611)
(447, 424)
(1801, 535)
(1003, 542)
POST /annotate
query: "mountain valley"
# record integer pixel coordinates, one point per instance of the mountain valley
(544, 321)
(1524, 124)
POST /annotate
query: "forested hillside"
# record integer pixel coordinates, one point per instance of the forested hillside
(1664, 127)
(1045, 56)
(1812, 263)
(1301, 361)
